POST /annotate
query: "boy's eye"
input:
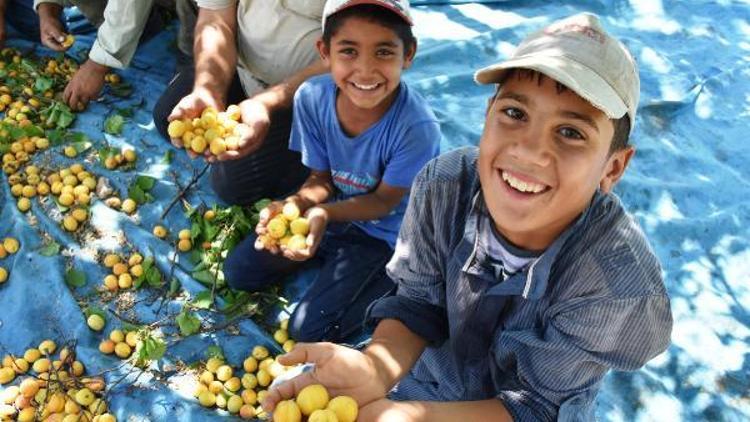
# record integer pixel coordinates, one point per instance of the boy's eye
(348, 51)
(570, 133)
(514, 113)
(384, 53)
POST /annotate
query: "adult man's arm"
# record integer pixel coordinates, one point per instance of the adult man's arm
(215, 55)
(51, 31)
(114, 47)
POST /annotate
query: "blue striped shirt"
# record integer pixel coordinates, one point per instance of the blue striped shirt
(540, 340)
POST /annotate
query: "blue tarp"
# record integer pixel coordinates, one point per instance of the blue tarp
(688, 185)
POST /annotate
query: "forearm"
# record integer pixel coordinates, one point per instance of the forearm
(215, 51)
(370, 206)
(281, 95)
(317, 189)
(394, 350)
(491, 410)
(48, 9)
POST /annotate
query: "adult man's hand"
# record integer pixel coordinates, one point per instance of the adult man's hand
(85, 85)
(257, 119)
(51, 30)
(191, 106)
(343, 371)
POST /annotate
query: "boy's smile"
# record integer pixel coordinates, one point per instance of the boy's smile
(366, 60)
(542, 156)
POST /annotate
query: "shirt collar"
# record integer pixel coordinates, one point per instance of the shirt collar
(530, 283)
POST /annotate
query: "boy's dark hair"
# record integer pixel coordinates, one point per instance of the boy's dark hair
(621, 125)
(372, 13)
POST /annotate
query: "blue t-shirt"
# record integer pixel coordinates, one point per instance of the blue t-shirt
(393, 149)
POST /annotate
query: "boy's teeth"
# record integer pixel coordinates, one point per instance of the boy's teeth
(522, 186)
(366, 87)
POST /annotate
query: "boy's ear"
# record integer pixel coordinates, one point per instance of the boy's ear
(616, 166)
(323, 51)
(409, 55)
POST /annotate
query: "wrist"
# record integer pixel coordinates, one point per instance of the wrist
(383, 380)
(302, 203)
(95, 67)
(268, 100)
(414, 410)
(48, 10)
(321, 211)
(208, 89)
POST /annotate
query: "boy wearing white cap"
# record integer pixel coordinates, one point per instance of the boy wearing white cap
(521, 278)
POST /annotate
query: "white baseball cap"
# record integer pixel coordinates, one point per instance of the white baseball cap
(578, 53)
(399, 7)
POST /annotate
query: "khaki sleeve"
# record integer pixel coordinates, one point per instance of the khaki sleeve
(215, 4)
(118, 36)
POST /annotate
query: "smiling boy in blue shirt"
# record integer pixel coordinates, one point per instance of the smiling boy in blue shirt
(365, 135)
(521, 278)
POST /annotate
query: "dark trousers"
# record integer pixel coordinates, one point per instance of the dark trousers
(21, 20)
(273, 171)
(351, 277)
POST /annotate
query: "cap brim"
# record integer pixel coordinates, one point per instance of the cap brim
(382, 4)
(577, 77)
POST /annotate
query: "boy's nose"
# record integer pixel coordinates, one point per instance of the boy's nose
(365, 64)
(532, 147)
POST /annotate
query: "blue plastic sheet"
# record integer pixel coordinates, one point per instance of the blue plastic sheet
(688, 186)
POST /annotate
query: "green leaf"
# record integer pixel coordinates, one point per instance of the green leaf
(114, 123)
(17, 133)
(215, 352)
(147, 263)
(81, 146)
(153, 277)
(93, 310)
(136, 194)
(106, 152)
(210, 230)
(75, 278)
(151, 348)
(205, 277)
(126, 111)
(189, 324)
(50, 248)
(76, 137)
(64, 118)
(138, 282)
(167, 158)
(145, 182)
(33, 130)
(174, 287)
(195, 230)
(123, 89)
(42, 84)
(138, 190)
(55, 136)
(202, 300)
(262, 203)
